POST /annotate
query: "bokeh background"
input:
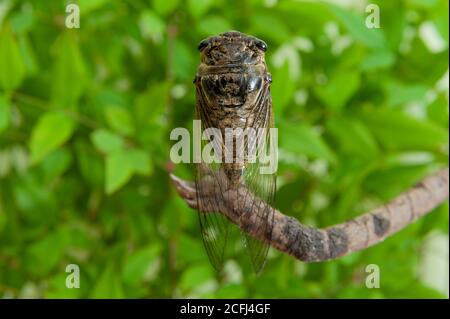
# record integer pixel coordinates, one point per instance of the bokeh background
(85, 117)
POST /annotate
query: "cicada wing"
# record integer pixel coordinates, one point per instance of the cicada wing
(261, 183)
(211, 184)
(258, 249)
(213, 225)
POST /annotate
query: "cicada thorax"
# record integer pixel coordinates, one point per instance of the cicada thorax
(232, 95)
(230, 90)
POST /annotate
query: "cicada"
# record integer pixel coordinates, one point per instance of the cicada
(233, 100)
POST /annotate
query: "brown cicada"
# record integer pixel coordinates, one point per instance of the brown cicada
(234, 107)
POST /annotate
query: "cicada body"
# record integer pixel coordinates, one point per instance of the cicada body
(234, 105)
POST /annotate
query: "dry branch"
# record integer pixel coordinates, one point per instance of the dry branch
(311, 244)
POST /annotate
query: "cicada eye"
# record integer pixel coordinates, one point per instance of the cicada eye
(202, 45)
(260, 44)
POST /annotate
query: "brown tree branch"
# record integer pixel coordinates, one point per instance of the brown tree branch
(311, 244)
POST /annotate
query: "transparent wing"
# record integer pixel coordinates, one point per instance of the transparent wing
(261, 184)
(211, 184)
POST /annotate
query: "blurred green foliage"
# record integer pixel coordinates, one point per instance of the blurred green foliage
(85, 117)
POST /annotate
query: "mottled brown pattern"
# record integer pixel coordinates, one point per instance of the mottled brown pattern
(337, 242)
(312, 245)
(232, 90)
(380, 224)
(232, 85)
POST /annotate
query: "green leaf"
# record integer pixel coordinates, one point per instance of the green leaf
(28, 55)
(151, 26)
(398, 131)
(12, 66)
(57, 289)
(86, 6)
(282, 87)
(392, 181)
(3, 221)
(43, 255)
(4, 112)
(56, 163)
(108, 284)
(22, 21)
(340, 87)
(106, 141)
(438, 111)
(151, 105)
(119, 120)
(442, 24)
(36, 205)
(400, 93)
(302, 139)
(165, 6)
(278, 31)
(138, 265)
(199, 7)
(90, 166)
(122, 164)
(308, 16)
(356, 26)
(174, 216)
(69, 73)
(118, 171)
(353, 136)
(378, 60)
(213, 25)
(232, 291)
(183, 62)
(423, 3)
(196, 275)
(139, 161)
(51, 131)
(190, 249)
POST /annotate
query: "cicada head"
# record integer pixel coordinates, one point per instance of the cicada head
(232, 47)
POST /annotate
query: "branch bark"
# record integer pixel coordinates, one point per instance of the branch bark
(310, 244)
